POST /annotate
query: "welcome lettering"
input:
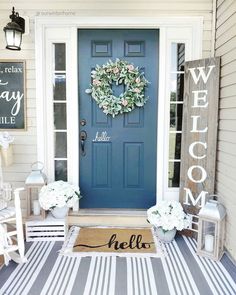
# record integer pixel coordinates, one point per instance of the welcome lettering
(199, 100)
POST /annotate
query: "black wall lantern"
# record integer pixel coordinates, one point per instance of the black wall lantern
(14, 30)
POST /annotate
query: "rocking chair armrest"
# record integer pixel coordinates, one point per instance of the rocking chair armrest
(16, 193)
(19, 224)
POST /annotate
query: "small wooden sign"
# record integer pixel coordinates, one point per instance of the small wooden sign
(12, 94)
(199, 132)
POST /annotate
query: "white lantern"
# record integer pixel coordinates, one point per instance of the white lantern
(34, 182)
(211, 230)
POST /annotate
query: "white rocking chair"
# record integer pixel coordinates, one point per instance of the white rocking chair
(12, 215)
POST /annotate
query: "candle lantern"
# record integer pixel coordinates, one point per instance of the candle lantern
(211, 230)
(34, 182)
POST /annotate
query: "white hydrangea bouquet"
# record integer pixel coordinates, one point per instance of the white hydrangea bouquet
(58, 194)
(168, 215)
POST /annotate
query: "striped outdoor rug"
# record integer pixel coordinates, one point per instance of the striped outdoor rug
(181, 272)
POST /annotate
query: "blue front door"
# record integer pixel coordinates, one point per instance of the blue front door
(118, 155)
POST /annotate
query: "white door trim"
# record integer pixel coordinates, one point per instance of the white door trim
(172, 29)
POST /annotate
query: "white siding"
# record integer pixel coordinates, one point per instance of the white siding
(116, 6)
(25, 148)
(226, 160)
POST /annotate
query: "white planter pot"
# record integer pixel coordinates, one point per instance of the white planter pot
(60, 212)
(165, 236)
(75, 207)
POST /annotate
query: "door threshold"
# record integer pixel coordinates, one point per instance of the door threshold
(109, 212)
(109, 217)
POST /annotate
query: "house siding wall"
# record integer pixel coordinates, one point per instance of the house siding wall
(25, 144)
(225, 47)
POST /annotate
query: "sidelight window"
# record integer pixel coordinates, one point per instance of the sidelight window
(175, 112)
(59, 111)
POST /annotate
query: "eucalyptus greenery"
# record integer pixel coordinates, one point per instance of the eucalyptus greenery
(118, 72)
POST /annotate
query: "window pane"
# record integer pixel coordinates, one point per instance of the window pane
(173, 174)
(176, 114)
(180, 56)
(208, 236)
(59, 115)
(61, 170)
(60, 145)
(177, 87)
(177, 56)
(60, 56)
(174, 146)
(59, 87)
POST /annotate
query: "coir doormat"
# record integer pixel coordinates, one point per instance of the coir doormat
(111, 241)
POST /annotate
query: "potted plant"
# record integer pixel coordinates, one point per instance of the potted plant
(58, 197)
(166, 217)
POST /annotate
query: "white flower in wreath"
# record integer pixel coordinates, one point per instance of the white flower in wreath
(120, 72)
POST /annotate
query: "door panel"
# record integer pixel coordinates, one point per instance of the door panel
(101, 161)
(133, 165)
(119, 167)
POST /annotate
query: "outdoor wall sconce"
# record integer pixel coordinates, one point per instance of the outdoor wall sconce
(14, 30)
(211, 230)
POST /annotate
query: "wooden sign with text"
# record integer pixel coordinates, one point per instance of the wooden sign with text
(199, 132)
(12, 94)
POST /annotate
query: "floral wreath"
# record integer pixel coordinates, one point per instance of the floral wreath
(120, 72)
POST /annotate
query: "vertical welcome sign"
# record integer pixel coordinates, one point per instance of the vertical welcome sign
(199, 137)
(12, 94)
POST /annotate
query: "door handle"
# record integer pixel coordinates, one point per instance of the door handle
(83, 137)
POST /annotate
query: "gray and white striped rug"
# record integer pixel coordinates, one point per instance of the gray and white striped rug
(181, 272)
